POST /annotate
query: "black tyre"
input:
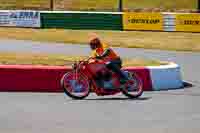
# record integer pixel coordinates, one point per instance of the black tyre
(133, 87)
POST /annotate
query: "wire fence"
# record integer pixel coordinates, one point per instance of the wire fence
(102, 5)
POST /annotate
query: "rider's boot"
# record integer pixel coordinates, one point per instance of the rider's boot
(122, 82)
(123, 79)
(115, 68)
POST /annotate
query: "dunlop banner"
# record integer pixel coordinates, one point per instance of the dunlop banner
(188, 22)
(143, 21)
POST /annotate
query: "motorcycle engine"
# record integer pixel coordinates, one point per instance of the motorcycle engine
(108, 84)
(105, 80)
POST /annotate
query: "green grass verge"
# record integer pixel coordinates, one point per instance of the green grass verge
(177, 41)
(60, 60)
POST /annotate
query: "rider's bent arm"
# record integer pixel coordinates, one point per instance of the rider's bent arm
(105, 53)
(93, 54)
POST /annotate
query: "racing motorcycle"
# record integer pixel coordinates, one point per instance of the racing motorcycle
(92, 75)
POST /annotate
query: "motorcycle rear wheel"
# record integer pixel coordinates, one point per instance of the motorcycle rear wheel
(133, 88)
(75, 85)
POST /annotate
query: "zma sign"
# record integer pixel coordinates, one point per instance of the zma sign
(25, 14)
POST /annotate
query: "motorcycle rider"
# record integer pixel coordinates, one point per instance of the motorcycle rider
(102, 51)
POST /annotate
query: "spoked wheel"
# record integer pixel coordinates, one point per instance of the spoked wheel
(133, 87)
(75, 85)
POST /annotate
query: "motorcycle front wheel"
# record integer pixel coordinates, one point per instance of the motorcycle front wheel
(75, 85)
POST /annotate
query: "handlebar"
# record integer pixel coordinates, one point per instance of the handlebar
(83, 62)
(87, 60)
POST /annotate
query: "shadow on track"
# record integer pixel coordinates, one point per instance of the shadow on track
(118, 99)
(187, 85)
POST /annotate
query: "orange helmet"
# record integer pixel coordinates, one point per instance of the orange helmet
(94, 41)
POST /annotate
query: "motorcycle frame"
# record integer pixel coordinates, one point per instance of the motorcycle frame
(84, 68)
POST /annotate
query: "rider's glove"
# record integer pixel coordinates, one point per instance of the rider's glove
(98, 57)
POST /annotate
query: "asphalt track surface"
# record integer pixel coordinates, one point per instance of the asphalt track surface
(163, 112)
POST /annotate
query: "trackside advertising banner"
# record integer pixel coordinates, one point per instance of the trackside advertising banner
(4, 18)
(25, 18)
(142, 21)
(20, 18)
(188, 22)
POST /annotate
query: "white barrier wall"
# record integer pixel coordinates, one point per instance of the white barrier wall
(166, 77)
